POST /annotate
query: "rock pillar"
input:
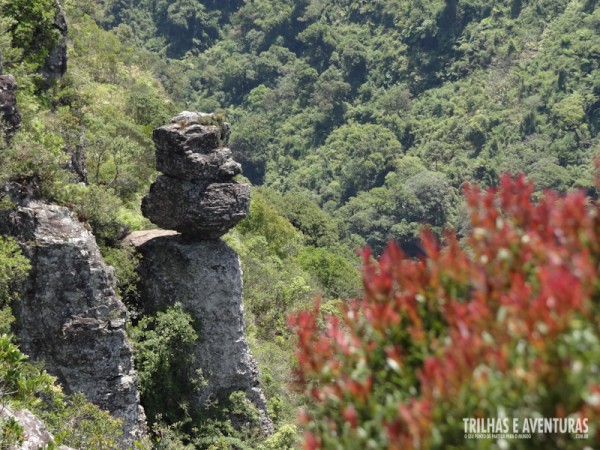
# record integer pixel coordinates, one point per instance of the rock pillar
(197, 197)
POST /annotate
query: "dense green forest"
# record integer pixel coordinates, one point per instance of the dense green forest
(342, 103)
(357, 122)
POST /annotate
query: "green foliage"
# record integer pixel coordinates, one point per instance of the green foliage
(318, 227)
(490, 328)
(231, 422)
(125, 261)
(264, 220)
(286, 438)
(428, 199)
(14, 267)
(163, 345)
(80, 424)
(335, 273)
(103, 110)
(282, 275)
(11, 433)
(34, 158)
(213, 427)
(354, 158)
(276, 362)
(32, 28)
(410, 199)
(97, 207)
(174, 27)
(327, 98)
(362, 118)
(8, 53)
(280, 272)
(20, 380)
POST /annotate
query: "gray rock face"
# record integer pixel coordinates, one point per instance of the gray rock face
(188, 165)
(196, 195)
(205, 211)
(206, 278)
(10, 118)
(35, 433)
(55, 65)
(191, 147)
(69, 314)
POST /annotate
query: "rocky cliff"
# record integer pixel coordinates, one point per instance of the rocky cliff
(10, 117)
(197, 197)
(69, 314)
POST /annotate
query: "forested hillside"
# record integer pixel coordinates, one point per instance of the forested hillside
(378, 111)
(357, 122)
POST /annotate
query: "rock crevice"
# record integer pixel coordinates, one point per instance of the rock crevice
(10, 117)
(55, 65)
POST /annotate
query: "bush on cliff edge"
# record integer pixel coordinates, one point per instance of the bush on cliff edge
(502, 325)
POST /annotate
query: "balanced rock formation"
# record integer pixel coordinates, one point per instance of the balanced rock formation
(69, 315)
(196, 195)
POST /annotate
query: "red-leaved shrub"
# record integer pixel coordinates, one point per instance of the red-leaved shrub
(501, 324)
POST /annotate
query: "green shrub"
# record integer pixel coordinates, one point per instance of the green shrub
(163, 356)
(14, 267)
(125, 260)
(501, 326)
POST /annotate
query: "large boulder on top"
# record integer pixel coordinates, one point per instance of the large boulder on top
(196, 209)
(196, 195)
